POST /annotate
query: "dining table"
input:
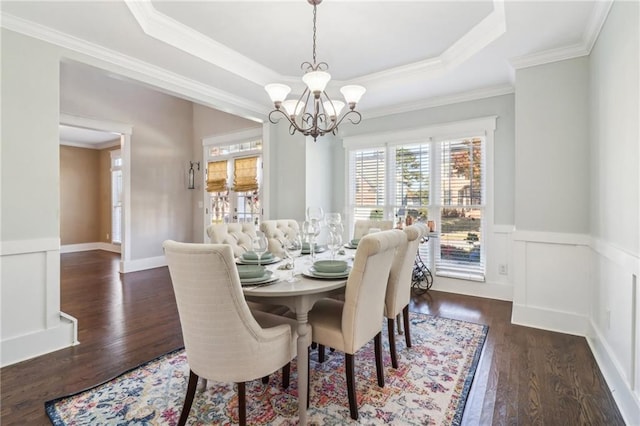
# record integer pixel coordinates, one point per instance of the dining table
(299, 297)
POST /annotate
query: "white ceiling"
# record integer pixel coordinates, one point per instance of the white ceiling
(87, 138)
(406, 53)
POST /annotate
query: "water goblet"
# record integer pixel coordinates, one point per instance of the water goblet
(334, 241)
(315, 213)
(260, 245)
(293, 248)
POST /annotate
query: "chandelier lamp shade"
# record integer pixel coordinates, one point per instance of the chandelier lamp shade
(314, 113)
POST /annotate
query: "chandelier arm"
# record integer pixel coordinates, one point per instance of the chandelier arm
(352, 120)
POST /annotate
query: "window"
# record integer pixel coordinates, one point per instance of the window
(234, 176)
(429, 178)
(116, 197)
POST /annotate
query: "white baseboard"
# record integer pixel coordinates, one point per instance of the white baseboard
(474, 288)
(72, 248)
(142, 264)
(627, 401)
(547, 319)
(31, 345)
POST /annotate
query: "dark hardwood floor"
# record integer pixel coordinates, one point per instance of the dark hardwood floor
(525, 376)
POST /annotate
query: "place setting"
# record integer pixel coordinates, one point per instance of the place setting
(255, 275)
(252, 258)
(328, 270)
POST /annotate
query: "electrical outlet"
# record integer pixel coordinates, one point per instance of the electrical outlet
(107, 236)
(502, 269)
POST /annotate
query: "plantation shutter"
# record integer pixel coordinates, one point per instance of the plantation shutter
(462, 251)
(217, 176)
(411, 185)
(245, 175)
(367, 192)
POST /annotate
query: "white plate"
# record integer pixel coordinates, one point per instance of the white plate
(266, 277)
(242, 261)
(270, 281)
(327, 275)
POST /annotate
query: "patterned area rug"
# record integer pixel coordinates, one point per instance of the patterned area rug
(430, 387)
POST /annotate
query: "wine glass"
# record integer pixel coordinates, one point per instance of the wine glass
(333, 218)
(260, 245)
(334, 242)
(315, 213)
(293, 248)
(314, 229)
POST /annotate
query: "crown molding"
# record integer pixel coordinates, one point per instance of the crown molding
(161, 78)
(589, 36)
(161, 27)
(472, 95)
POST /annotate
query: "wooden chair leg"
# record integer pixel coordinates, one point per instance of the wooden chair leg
(265, 380)
(286, 370)
(351, 389)
(242, 405)
(188, 399)
(407, 334)
(392, 342)
(378, 350)
(314, 345)
(320, 354)
(308, 376)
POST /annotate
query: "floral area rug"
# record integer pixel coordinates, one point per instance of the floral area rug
(430, 387)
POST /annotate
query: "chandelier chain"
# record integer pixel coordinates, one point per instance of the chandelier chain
(314, 34)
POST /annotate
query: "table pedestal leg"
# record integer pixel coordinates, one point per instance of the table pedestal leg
(303, 366)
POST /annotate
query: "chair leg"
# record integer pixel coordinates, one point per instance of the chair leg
(308, 376)
(286, 370)
(351, 389)
(407, 334)
(265, 380)
(320, 354)
(378, 350)
(392, 342)
(314, 345)
(242, 405)
(188, 399)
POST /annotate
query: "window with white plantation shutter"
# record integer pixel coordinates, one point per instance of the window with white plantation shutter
(440, 181)
(461, 209)
(367, 182)
(411, 180)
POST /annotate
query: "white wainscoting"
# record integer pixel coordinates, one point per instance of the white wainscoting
(32, 323)
(551, 281)
(614, 326)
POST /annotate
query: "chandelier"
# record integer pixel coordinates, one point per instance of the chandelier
(314, 113)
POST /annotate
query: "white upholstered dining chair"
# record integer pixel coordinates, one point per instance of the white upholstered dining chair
(362, 227)
(238, 235)
(277, 231)
(224, 340)
(399, 287)
(348, 325)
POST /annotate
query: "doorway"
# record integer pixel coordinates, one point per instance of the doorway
(121, 165)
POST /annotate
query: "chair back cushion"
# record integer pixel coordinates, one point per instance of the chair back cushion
(222, 339)
(237, 235)
(362, 227)
(400, 276)
(366, 287)
(277, 231)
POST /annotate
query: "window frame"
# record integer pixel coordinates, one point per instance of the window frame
(483, 127)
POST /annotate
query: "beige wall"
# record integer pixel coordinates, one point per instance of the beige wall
(79, 183)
